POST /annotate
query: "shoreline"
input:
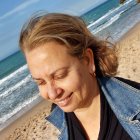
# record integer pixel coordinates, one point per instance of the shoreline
(32, 124)
(129, 33)
(29, 122)
(20, 113)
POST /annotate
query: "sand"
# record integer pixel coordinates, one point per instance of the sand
(129, 54)
(33, 126)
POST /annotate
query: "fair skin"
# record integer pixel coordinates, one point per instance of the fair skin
(66, 81)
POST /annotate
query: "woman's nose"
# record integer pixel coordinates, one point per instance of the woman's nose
(54, 92)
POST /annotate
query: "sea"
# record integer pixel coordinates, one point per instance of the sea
(19, 93)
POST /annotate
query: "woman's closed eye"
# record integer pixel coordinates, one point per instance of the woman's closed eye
(60, 76)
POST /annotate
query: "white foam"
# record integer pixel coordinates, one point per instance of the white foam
(108, 23)
(17, 109)
(10, 90)
(111, 13)
(21, 69)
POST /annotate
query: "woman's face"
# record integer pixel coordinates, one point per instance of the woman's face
(63, 79)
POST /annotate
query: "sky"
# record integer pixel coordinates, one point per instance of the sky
(14, 13)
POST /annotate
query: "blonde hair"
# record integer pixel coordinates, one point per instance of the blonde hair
(71, 31)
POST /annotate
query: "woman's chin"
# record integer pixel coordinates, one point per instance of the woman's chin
(67, 109)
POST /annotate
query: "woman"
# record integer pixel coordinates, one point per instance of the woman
(74, 70)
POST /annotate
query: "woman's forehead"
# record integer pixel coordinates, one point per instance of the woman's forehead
(49, 57)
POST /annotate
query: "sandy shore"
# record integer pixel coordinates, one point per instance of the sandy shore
(129, 54)
(32, 125)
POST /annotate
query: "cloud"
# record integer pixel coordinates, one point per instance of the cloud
(19, 8)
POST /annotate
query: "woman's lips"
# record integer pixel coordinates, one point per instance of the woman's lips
(64, 101)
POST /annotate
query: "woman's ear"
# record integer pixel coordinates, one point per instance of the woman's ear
(89, 58)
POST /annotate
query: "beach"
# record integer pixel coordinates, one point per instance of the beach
(33, 126)
(129, 54)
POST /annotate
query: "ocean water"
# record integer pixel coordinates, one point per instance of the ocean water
(18, 92)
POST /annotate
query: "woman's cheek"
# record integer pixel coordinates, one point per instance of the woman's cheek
(72, 83)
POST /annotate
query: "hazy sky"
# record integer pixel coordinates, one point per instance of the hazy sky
(14, 13)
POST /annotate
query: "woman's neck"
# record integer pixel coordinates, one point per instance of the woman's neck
(90, 117)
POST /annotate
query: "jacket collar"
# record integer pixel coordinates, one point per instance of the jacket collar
(123, 98)
(57, 118)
